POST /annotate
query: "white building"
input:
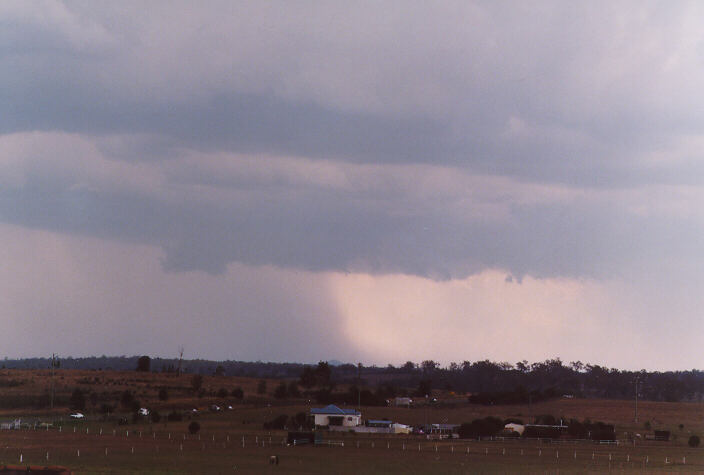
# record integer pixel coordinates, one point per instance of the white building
(334, 416)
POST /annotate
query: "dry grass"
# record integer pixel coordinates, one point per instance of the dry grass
(159, 449)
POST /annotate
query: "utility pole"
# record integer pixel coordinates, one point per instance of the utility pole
(180, 359)
(359, 387)
(635, 418)
(53, 365)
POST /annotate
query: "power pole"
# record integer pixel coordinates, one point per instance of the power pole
(53, 365)
(635, 418)
(180, 359)
(359, 388)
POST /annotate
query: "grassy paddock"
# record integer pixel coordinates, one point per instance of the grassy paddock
(219, 449)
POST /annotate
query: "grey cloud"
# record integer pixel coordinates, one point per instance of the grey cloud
(592, 99)
(322, 230)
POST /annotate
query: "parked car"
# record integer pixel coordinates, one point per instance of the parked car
(77, 415)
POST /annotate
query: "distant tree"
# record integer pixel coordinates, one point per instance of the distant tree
(424, 388)
(163, 394)
(694, 441)
(308, 379)
(174, 416)
(220, 370)
(93, 398)
(323, 373)
(196, 382)
(126, 399)
(261, 387)
(144, 364)
(278, 423)
(193, 427)
(301, 420)
(155, 416)
(222, 393)
(293, 389)
(238, 393)
(429, 366)
(409, 366)
(281, 392)
(78, 400)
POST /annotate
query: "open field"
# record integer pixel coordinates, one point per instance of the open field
(220, 451)
(99, 445)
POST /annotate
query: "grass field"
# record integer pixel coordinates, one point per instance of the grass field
(100, 446)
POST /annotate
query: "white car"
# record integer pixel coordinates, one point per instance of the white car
(143, 411)
(77, 415)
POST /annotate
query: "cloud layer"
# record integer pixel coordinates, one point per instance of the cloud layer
(410, 144)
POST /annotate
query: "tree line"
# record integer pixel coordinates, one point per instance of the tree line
(487, 382)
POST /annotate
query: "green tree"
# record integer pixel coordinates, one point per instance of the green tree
(144, 364)
(238, 393)
(163, 394)
(196, 382)
(78, 400)
(293, 389)
(694, 441)
(281, 392)
(308, 379)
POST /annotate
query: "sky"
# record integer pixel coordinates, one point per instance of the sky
(358, 181)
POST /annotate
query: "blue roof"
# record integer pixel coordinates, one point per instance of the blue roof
(380, 422)
(334, 410)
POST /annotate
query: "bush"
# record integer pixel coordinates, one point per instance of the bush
(694, 441)
(222, 393)
(163, 394)
(144, 364)
(196, 382)
(78, 400)
(487, 427)
(156, 417)
(278, 423)
(281, 391)
(193, 427)
(174, 416)
(238, 393)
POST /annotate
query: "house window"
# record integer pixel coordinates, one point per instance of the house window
(349, 419)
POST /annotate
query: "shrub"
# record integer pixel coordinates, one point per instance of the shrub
(156, 417)
(281, 391)
(222, 393)
(278, 423)
(163, 394)
(694, 441)
(196, 382)
(238, 393)
(174, 416)
(193, 427)
(78, 400)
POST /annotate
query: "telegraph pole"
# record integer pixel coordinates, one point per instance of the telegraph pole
(53, 365)
(635, 418)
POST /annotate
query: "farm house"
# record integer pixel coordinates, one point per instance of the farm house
(334, 416)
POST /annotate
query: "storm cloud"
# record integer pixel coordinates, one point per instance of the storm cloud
(443, 142)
